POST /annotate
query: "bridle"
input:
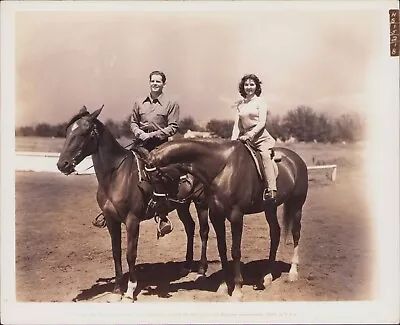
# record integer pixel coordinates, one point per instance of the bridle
(94, 134)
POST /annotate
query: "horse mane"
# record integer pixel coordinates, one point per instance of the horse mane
(187, 150)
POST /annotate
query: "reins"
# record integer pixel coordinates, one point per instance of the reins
(125, 147)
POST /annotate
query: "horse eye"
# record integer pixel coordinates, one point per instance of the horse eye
(85, 125)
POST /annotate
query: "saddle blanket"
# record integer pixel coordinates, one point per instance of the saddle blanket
(258, 161)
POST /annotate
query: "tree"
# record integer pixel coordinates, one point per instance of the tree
(222, 128)
(43, 130)
(188, 123)
(324, 129)
(25, 131)
(301, 123)
(113, 127)
(59, 130)
(274, 127)
(125, 127)
(350, 127)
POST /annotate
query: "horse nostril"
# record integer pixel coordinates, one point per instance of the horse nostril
(62, 164)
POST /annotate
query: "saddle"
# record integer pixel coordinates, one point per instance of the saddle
(258, 161)
(186, 186)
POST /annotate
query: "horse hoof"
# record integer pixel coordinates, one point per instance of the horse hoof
(223, 289)
(294, 276)
(237, 295)
(114, 297)
(258, 287)
(200, 277)
(267, 280)
(127, 299)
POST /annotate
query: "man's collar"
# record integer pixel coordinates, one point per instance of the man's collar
(159, 99)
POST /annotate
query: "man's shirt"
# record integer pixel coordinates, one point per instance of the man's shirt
(150, 115)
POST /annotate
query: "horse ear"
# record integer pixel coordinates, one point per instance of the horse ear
(96, 113)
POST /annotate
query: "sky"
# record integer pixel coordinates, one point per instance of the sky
(67, 59)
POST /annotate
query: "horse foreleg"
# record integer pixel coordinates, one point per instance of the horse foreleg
(218, 222)
(202, 213)
(187, 220)
(114, 228)
(275, 235)
(132, 232)
(236, 220)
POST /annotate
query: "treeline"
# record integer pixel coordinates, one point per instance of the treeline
(302, 124)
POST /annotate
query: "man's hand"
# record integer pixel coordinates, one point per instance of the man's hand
(157, 134)
(144, 136)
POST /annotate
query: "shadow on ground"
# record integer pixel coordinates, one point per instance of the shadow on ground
(162, 279)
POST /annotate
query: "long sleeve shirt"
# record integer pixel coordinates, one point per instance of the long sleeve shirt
(160, 114)
(251, 118)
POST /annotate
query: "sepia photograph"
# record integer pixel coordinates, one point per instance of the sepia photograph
(199, 162)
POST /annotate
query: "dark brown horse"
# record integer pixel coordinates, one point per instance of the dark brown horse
(234, 188)
(119, 196)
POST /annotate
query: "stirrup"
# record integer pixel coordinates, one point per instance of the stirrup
(167, 228)
(269, 195)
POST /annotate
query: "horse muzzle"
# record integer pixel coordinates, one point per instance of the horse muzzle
(65, 167)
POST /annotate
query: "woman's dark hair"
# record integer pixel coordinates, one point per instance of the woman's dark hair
(160, 73)
(256, 81)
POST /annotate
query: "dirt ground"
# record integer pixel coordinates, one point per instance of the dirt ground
(61, 257)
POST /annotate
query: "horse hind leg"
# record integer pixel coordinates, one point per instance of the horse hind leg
(189, 225)
(202, 213)
(292, 219)
(237, 230)
(218, 222)
(296, 227)
(275, 234)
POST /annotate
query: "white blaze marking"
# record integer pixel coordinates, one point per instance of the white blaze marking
(74, 126)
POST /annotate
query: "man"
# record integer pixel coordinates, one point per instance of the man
(154, 119)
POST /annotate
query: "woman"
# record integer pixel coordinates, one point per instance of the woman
(250, 125)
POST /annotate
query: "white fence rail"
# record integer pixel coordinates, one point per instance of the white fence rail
(332, 168)
(47, 162)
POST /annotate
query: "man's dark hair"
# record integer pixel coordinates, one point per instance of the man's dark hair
(160, 73)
